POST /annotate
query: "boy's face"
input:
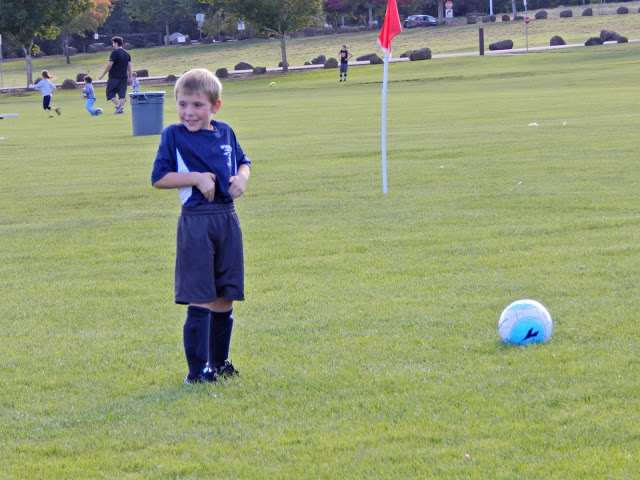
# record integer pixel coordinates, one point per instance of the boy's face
(195, 110)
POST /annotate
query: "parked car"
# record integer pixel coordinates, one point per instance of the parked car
(420, 21)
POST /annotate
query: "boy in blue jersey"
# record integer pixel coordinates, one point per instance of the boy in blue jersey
(201, 157)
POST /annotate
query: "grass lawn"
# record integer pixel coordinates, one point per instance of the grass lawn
(368, 344)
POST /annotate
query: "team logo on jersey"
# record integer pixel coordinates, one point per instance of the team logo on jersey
(227, 152)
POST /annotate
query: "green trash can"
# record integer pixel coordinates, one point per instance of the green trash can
(147, 113)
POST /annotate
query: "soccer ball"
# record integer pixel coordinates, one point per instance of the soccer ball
(272, 84)
(525, 321)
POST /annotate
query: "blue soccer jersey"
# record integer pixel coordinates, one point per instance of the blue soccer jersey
(214, 151)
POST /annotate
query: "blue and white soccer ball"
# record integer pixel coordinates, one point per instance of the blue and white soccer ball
(525, 321)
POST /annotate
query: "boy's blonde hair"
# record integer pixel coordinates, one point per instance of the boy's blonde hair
(199, 80)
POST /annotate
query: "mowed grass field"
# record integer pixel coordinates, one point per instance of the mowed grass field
(368, 345)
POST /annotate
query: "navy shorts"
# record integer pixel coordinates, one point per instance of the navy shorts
(46, 102)
(343, 67)
(209, 255)
(116, 86)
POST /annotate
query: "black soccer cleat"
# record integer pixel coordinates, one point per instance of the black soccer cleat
(226, 370)
(206, 376)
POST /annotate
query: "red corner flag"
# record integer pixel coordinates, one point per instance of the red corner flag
(391, 26)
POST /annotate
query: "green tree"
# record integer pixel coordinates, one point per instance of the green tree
(90, 19)
(368, 8)
(23, 20)
(166, 11)
(215, 19)
(278, 16)
(337, 9)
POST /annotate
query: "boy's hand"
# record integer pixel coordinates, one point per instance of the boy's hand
(207, 185)
(237, 184)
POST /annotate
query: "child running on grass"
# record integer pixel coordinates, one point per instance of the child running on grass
(201, 157)
(47, 88)
(89, 94)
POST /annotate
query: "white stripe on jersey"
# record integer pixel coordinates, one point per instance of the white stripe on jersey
(184, 192)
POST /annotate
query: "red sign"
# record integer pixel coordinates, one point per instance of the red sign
(448, 5)
(526, 19)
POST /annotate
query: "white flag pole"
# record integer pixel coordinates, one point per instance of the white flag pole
(384, 122)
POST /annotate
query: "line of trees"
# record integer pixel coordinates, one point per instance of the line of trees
(23, 21)
(28, 23)
(359, 11)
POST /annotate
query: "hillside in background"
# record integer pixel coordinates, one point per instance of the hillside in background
(456, 38)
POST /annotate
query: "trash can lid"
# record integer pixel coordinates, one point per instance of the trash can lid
(147, 94)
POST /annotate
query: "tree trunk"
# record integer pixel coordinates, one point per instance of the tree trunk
(27, 56)
(166, 28)
(283, 49)
(515, 9)
(370, 16)
(440, 10)
(65, 47)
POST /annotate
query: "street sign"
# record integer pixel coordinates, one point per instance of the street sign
(526, 19)
(448, 5)
(448, 13)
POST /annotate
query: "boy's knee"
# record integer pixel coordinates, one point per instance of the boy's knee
(195, 315)
(222, 304)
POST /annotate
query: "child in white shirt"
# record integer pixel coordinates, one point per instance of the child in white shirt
(47, 88)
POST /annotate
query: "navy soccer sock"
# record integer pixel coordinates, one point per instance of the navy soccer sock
(195, 335)
(220, 338)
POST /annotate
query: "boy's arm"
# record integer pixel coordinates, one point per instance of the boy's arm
(205, 182)
(238, 183)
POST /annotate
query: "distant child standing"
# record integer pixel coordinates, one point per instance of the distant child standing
(135, 84)
(47, 88)
(201, 157)
(89, 94)
(344, 55)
